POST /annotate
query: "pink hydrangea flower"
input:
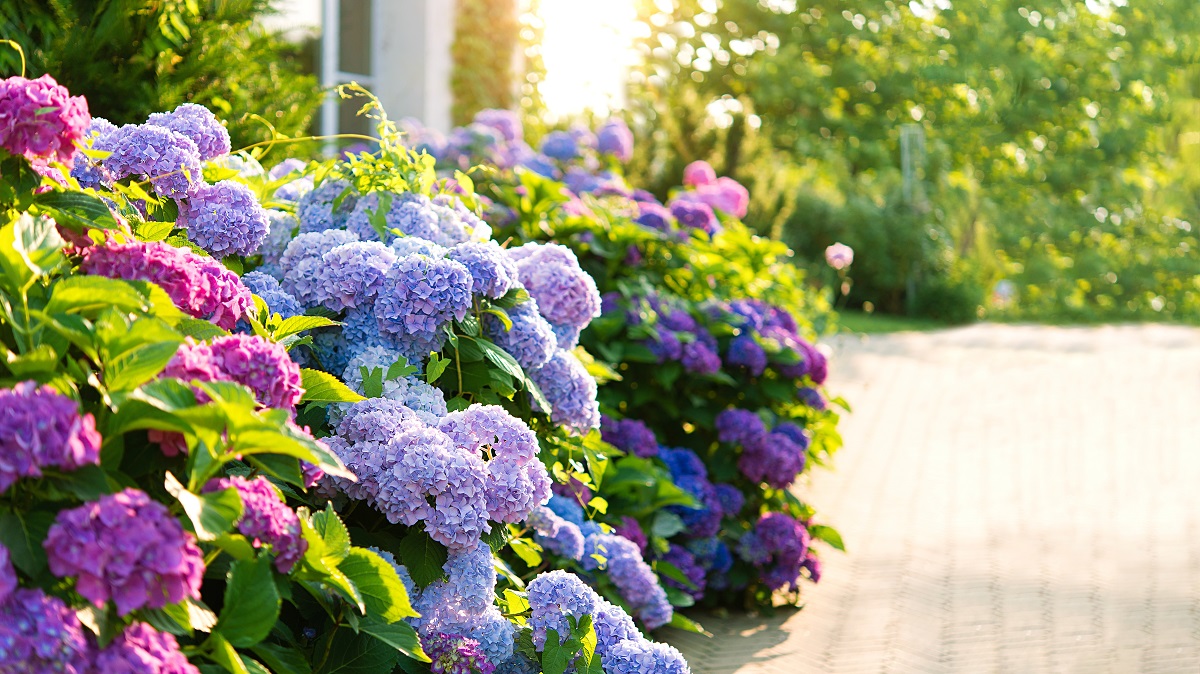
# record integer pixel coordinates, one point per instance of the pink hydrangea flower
(40, 120)
(699, 173)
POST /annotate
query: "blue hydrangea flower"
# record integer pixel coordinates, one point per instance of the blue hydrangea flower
(542, 165)
(427, 401)
(745, 351)
(287, 167)
(507, 122)
(615, 138)
(301, 262)
(281, 229)
(637, 656)
(570, 390)
(421, 295)
(555, 533)
(492, 272)
(531, 340)
(404, 246)
(266, 287)
(170, 161)
(552, 597)
(315, 209)
(199, 124)
(351, 274)
(224, 219)
(566, 336)
(560, 145)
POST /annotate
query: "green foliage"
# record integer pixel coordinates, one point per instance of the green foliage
(134, 57)
(1054, 137)
(486, 37)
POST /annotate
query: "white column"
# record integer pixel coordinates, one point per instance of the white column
(330, 34)
(412, 59)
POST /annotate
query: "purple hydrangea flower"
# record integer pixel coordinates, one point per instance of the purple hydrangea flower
(629, 528)
(287, 167)
(779, 544)
(555, 533)
(403, 246)
(813, 398)
(464, 604)
(41, 428)
(39, 634)
(249, 360)
(570, 390)
(655, 216)
(683, 559)
(566, 337)
(774, 458)
(747, 352)
(665, 346)
(170, 161)
(351, 274)
(282, 228)
(426, 401)
(613, 625)
(635, 656)
(700, 356)
(507, 122)
(278, 301)
(302, 260)
(266, 519)
(200, 287)
(738, 426)
(695, 215)
(127, 548)
(615, 138)
(40, 120)
(200, 125)
(531, 340)
(629, 435)
(492, 272)
(560, 145)
(635, 580)
(8, 577)
(452, 654)
(812, 564)
(730, 499)
(552, 597)
(224, 219)
(316, 211)
(421, 295)
(143, 649)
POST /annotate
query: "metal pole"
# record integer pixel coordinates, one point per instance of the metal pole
(330, 35)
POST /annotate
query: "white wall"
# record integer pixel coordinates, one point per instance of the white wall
(412, 59)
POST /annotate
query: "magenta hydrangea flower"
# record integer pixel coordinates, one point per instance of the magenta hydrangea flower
(224, 219)
(40, 120)
(200, 125)
(699, 173)
(200, 287)
(126, 548)
(249, 360)
(266, 519)
(41, 428)
(170, 161)
(615, 138)
(421, 295)
(565, 294)
(141, 649)
(725, 194)
(8, 576)
(570, 390)
(39, 633)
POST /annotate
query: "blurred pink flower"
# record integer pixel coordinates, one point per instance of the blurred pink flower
(698, 173)
(839, 256)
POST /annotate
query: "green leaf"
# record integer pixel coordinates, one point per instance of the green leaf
(351, 653)
(22, 534)
(282, 659)
(680, 621)
(211, 514)
(423, 557)
(173, 618)
(323, 387)
(372, 381)
(557, 657)
(437, 365)
(400, 369)
(529, 551)
(298, 324)
(41, 360)
(502, 315)
(333, 534)
(77, 210)
(399, 635)
(666, 524)
(829, 535)
(88, 294)
(200, 330)
(223, 653)
(153, 230)
(588, 661)
(36, 243)
(251, 602)
(138, 366)
(382, 590)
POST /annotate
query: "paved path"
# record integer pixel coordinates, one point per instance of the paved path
(1014, 499)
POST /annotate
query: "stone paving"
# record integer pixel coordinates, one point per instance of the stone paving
(1014, 499)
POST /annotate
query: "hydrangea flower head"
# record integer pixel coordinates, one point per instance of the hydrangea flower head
(452, 654)
(552, 597)
(421, 295)
(40, 120)
(737, 425)
(266, 287)
(779, 544)
(813, 398)
(635, 656)
(141, 648)
(570, 390)
(200, 125)
(634, 578)
(316, 208)
(774, 458)
(655, 216)
(351, 274)
(302, 259)
(560, 145)
(8, 577)
(492, 272)
(127, 548)
(615, 138)
(507, 122)
(170, 161)
(555, 533)
(224, 218)
(41, 428)
(426, 401)
(631, 529)
(699, 173)
(266, 519)
(249, 360)
(566, 295)
(695, 215)
(748, 353)
(530, 341)
(725, 194)
(403, 246)
(685, 561)
(629, 435)
(38, 633)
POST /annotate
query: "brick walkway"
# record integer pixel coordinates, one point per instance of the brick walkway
(1014, 499)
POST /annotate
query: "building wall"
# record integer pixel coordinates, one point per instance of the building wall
(413, 63)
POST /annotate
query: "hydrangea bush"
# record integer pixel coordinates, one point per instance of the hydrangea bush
(712, 382)
(299, 420)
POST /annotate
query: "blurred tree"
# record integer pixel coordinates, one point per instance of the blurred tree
(1038, 116)
(134, 57)
(486, 38)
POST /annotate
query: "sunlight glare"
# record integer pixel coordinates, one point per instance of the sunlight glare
(588, 50)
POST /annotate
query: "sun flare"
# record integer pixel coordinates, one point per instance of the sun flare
(588, 50)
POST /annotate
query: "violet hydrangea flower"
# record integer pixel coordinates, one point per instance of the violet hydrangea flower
(277, 300)
(779, 544)
(451, 654)
(421, 295)
(560, 145)
(507, 122)
(695, 215)
(615, 138)
(40, 120)
(199, 124)
(530, 341)
(634, 578)
(39, 633)
(170, 161)
(224, 218)
(41, 428)
(570, 390)
(316, 210)
(8, 577)
(126, 548)
(629, 435)
(142, 649)
(556, 534)
(492, 272)
(351, 274)
(266, 519)
(302, 260)
(637, 656)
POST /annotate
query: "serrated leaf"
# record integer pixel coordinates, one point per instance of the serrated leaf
(251, 603)
(423, 557)
(382, 590)
(298, 324)
(199, 330)
(333, 534)
(324, 387)
(211, 514)
(399, 635)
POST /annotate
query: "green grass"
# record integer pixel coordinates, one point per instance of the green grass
(870, 324)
